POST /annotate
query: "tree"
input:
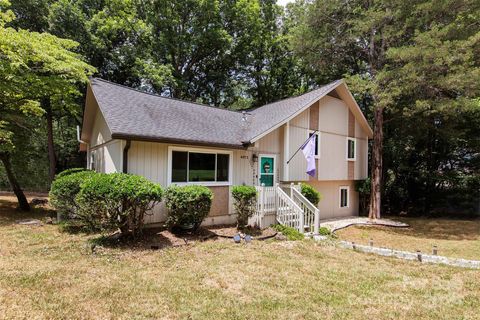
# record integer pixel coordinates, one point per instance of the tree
(34, 66)
(411, 59)
(338, 38)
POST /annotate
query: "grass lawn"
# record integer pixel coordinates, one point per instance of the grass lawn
(47, 274)
(453, 238)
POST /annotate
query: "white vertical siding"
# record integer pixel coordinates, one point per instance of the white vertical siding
(149, 159)
(100, 131)
(108, 157)
(271, 144)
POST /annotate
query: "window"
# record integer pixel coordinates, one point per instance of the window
(199, 166)
(351, 144)
(317, 143)
(344, 197)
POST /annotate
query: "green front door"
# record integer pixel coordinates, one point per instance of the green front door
(267, 170)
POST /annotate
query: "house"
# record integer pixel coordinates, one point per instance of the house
(170, 141)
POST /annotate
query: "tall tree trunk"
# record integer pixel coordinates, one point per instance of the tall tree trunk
(12, 179)
(376, 194)
(52, 161)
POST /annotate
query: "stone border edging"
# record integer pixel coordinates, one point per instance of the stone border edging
(253, 238)
(406, 255)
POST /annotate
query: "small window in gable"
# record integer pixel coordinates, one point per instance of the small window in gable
(351, 149)
(344, 195)
(317, 142)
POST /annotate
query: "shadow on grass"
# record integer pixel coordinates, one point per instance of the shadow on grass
(9, 212)
(153, 239)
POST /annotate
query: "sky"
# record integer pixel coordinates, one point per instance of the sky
(284, 2)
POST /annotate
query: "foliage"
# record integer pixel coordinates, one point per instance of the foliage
(324, 231)
(417, 71)
(65, 189)
(291, 233)
(245, 202)
(363, 186)
(117, 201)
(38, 73)
(310, 193)
(69, 172)
(187, 205)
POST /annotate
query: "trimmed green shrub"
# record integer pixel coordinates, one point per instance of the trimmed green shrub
(117, 201)
(70, 171)
(324, 231)
(310, 193)
(64, 190)
(291, 233)
(187, 206)
(245, 203)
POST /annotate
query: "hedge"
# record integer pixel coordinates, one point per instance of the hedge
(245, 202)
(70, 171)
(310, 193)
(64, 190)
(187, 206)
(117, 201)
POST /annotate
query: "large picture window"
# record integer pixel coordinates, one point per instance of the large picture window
(199, 166)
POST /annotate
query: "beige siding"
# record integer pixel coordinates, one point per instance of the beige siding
(329, 206)
(362, 159)
(299, 128)
(332, 164)
(333, 115)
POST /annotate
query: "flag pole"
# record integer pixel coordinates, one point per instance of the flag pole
(313, 134)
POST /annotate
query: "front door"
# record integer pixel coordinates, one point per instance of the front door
(267, 170)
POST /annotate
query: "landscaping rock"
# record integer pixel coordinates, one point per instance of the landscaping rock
(38, 201)
(281, 237)
(29, 222)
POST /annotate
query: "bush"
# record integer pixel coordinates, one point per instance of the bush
(70, 171)
(311, 194)
(291, 233)
(245, 202)
(117, 201)
(188, 206)
(324, 231)
(64, 190)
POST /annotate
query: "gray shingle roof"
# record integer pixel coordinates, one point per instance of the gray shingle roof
(134, 114)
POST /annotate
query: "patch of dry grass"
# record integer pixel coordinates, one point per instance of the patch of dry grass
(46, 274)
(454, 238)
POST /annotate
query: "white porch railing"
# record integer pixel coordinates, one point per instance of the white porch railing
(310, 211)
(292, 210)
(288, 212)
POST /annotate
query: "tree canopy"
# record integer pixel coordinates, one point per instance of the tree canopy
(413, 67)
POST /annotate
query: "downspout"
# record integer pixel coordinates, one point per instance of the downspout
(125, 156)
(78, 136)
(88, 146)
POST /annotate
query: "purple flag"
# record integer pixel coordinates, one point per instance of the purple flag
(308, 150)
